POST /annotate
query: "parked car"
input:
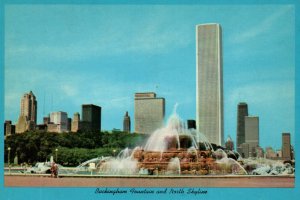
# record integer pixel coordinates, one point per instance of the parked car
(40, 168)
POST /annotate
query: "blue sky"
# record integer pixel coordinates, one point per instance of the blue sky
(70, 55)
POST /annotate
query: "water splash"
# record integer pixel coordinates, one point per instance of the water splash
(119, 166)
(174, 149)
(174, 166)
(125, 153)
(168, 136)
(228, 165)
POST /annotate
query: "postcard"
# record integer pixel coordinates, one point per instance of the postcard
(149, 99)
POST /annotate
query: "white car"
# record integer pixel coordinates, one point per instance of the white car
(40, 168)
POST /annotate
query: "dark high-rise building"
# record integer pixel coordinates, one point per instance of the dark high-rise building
(126, 123)
(242, 112)
(91, 117)
(286, 146)
(191, 124)
(69, 124)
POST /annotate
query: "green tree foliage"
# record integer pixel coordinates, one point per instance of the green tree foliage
(73, 148)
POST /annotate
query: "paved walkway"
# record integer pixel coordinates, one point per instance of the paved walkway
(206, 181)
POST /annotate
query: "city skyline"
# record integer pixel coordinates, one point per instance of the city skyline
(103, 66)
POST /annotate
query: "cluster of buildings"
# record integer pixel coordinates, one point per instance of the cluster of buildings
(247, 133)
(58, 122)
(247, 138)
(149, 110)
(149, 115)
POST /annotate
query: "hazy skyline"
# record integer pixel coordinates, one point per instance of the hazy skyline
(70, 55)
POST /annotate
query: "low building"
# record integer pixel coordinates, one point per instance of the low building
(24, 125)
(259, 152)
(191, 124)
(41, 127)
(279, 153)
(244, 150)
(270, 153)
(46, 120)
(9, 128)
(60, 119)
(229, 145)
(52, 128)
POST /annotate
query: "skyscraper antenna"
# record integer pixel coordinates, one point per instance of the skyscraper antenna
(51, 102)
(44, 105)
(156, 87)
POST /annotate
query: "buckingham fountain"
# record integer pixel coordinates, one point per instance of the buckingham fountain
(175, 150)
(170, 150)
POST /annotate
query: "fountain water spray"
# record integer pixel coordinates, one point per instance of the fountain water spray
(173, 150)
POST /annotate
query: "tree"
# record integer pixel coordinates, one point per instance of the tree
(73, 147)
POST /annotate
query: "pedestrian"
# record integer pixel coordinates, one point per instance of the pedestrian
(54, 170)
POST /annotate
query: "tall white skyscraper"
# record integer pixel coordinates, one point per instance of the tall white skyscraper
(209, 82)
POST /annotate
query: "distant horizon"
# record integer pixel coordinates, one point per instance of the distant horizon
(72, 55)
